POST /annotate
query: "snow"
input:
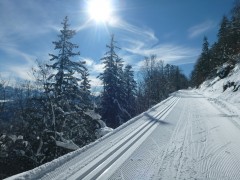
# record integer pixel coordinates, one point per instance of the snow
(14, 137)
(92, 114)
(68, 145)
(103, 131)
(194, 134)
(3, 101)
(198, 141)
(203, 144)
(228, 99)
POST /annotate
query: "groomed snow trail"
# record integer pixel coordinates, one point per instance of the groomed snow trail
(185, 137)
(197, 141)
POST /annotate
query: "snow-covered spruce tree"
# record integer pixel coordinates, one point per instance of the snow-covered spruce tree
(130, 86)
(206, 60)
(223, 51)
(85, 86)
(202, 68)
(66, 95)
(235, 29)
(112, 99)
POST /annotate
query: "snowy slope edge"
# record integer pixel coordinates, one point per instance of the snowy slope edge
(225, 93)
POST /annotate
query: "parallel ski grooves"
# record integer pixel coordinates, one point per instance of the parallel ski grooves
(138, 133)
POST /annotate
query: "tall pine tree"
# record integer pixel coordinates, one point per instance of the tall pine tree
(235, 28)
(68, 90)
(202, 68)
(112, 99)
(130, 86)
(224, 42)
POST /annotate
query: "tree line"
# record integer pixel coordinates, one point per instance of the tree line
(123, 98)
(56, 114)
(223, 51)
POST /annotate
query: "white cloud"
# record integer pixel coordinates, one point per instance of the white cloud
(94, 70)
(201, 28)
(93, 67)
(96, 85)
(95, 82)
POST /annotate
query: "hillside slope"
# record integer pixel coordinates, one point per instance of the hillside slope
(226, 90)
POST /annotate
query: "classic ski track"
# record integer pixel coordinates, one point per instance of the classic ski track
(82, 162)
(137, 134)
(79, 162)
(144, 162)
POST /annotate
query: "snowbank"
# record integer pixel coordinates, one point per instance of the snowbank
(224, 91)
(103, 130)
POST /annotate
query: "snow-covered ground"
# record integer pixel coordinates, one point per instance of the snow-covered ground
(194, 134)
(214, 88)
(198, 141)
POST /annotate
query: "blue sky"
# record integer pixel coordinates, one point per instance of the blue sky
(171, 29)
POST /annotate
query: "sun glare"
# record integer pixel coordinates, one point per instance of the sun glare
(100, 10)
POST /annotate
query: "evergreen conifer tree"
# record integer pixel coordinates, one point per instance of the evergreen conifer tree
(235, 28)
(130, 86)
(112, 99)
(69, 90)
(224, 42)
(85, 87)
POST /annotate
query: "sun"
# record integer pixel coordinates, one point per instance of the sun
(100, 10)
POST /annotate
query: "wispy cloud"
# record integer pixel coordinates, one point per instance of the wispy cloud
(141, 41)
(201, 28)
(24, 58)
(166, 52)
(169, 53)
(135, 31)
(18, 23)
(22, 66)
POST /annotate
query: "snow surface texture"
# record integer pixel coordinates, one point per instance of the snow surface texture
(214, 88)
(198, 141)
(188, 136)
